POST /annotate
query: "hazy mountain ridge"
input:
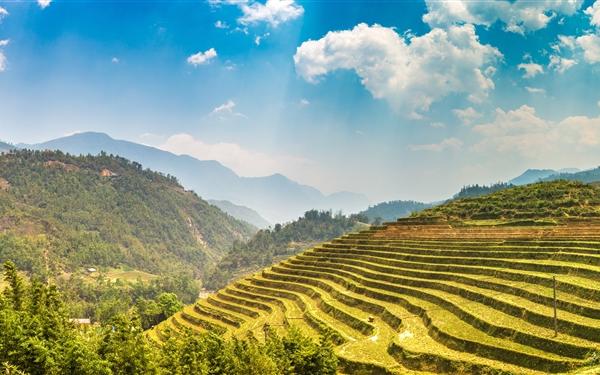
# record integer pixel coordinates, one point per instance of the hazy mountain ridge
(242, 213)
(275, 197)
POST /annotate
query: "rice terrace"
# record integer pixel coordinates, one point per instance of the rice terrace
(487, 285)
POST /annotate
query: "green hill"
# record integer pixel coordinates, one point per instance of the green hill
(430, 295)
(555, 199)
(60, 213)
(389, 211)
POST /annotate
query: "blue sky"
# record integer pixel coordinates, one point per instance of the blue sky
(397, 100)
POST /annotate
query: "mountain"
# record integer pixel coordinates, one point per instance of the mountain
(553, 199)
(5, 147)
(393, 210)
(536, 175)
(532, 175)
(591, 175)
(62, 213)
(241, 213)
(276, 198)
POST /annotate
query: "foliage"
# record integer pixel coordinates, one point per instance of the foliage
(283, 240)
(471, 191)
(392, 210)
(60, 213)
(36, 337)
(556, 199)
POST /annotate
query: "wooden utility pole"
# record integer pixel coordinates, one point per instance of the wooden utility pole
(555, 317)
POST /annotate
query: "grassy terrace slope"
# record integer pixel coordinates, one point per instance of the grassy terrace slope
(426, 295)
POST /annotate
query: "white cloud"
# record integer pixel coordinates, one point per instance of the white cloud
(226, 109)
(258, 39)
(523, 132)
(304, 102)
(467, 115)
(530, 69)
(3, 13)
(273, 12)
(44, 3)
(594, 13)
(453, 144)
(410, 72)
(518, 16)
(590, 44)
(437, 125)
(535, 90)
(598, 103)
(221, 25)
(4, 42)
(243, 161)
(115, 60)
(2, 62)
(202, 58)
(561, 64)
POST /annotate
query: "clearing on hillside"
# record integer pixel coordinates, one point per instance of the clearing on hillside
(429, 295)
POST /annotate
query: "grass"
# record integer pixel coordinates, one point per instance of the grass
(425, 296)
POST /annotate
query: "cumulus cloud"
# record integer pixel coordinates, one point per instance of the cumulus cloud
(44, 3)
(3, 13)
(535, 90)
(590, 45)
(453, 144)
(272, 12)
(594, 13)
(518, 16)
(304, 102)
(202, 58)
(243, 161)
(560, 64)
(410, 72)
(530, 69)
(466, 115)
(523, 132)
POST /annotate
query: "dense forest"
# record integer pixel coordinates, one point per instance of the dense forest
(267, 245)
(555, 199)
(60, 213)
(38, 338)
(393, 210)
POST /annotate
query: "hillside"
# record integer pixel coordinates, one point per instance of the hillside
(393, 210)
(66, 212)
(5, 147)
(276, 198)
(426, 295)
(282, 241)
(555, 199)
(241, 212)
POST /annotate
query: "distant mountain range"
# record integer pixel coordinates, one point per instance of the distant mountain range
(242, 213)
(535, 175)
(5, 147)
(276, 198)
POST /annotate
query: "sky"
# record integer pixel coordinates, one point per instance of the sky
(393, 99)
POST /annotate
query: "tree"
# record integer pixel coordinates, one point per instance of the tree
(16, 291)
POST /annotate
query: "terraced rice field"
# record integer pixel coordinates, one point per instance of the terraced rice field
(417, 297)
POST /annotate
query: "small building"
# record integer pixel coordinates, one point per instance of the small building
(107, 173)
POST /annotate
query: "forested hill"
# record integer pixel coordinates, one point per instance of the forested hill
(269, 245)
(61, 213)
(555, 199)
(390, 211)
